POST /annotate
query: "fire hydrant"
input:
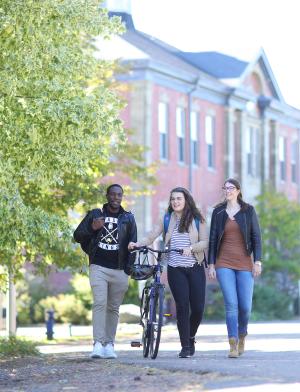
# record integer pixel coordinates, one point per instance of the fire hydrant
(50, 324)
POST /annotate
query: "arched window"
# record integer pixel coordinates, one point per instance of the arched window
(256, 83)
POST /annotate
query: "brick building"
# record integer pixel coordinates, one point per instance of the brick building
(205, 117)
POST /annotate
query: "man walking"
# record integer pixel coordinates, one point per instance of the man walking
(104, 235)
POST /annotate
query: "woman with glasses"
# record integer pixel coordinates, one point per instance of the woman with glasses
(234, 258)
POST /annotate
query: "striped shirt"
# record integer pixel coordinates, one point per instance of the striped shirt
(180, 241)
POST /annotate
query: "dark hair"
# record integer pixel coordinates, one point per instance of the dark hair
(111, 186)
(189, 212)
(240, 200)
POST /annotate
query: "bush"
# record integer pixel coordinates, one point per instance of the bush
(214, 304)
(67, 309)
(15, 347)
(24, 309)
(82, 290)
(270, 304)
(132, 294)
(29, 292)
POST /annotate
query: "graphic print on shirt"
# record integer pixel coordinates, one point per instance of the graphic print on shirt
(109, 238)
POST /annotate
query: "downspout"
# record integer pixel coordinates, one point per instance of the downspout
(190, 98)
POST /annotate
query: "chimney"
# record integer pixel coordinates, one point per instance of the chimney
(120, 8)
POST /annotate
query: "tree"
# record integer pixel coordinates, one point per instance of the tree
(59, 125)
(280, 224)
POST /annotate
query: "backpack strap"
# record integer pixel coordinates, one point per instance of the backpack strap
(167, 217)
(197, 222)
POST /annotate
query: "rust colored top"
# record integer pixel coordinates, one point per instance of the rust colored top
(232, 252)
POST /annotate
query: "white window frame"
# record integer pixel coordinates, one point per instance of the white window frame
(180, 132)
(282, 157)
(294, 161)
(163, 121)
(210, 140)
(252, 151)
(194, 138)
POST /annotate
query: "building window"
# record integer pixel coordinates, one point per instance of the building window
(294, 161)
(194, 138)
(163, 130)
(252, 152)
(282, 158)
(210, 140)
(237, 148)
(180, 131)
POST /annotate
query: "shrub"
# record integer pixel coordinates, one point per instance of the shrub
(67, 309)
(214, 304)
(24, 309)
(132, 294)
(270, 304)
(16, 347)
(82, 290)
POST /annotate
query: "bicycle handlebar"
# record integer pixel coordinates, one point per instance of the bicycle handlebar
(145, 249)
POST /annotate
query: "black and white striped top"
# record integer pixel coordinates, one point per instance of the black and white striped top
(180, 241)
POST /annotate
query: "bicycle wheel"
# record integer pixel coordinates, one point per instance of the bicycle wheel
(144, 308)
(156, 320)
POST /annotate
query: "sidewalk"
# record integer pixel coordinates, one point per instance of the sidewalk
(271, 363)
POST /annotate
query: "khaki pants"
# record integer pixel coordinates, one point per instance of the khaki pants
(109, 287)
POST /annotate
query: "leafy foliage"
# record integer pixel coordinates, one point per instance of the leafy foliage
(59, 126)
(67, 309)
(270, 304)
(16, 347)
(280, 225)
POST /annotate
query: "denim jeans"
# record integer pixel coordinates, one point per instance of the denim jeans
(237, 289)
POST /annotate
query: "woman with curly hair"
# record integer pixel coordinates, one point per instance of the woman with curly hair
(186, 276)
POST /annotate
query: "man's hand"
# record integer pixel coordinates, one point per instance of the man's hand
(98, 223)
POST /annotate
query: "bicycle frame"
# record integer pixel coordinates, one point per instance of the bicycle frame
(151, 306)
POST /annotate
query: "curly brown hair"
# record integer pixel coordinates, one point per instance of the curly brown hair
(189, 212)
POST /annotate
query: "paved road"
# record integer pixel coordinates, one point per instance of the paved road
(271, 361)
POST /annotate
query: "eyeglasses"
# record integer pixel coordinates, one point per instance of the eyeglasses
(228, 188)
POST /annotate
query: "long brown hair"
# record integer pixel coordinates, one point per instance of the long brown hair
(189, 212)
(240, 200)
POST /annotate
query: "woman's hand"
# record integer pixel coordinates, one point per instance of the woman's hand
(133, 245)
(186, 252)
(211, 272)
(256, 270)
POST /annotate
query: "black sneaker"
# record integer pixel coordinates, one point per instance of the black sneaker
(192, 345)
(185, 352)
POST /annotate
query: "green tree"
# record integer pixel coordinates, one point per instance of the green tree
(59, 125)
(280, 225)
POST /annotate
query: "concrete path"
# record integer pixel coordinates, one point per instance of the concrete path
(271, 361)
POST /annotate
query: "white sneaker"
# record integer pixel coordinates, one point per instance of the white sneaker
(109, 351)
(98, 351)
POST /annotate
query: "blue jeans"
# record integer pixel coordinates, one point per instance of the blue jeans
(237, 289)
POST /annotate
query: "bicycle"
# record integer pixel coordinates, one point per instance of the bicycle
(152, 301)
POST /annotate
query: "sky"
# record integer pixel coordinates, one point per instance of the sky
(235, 27)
